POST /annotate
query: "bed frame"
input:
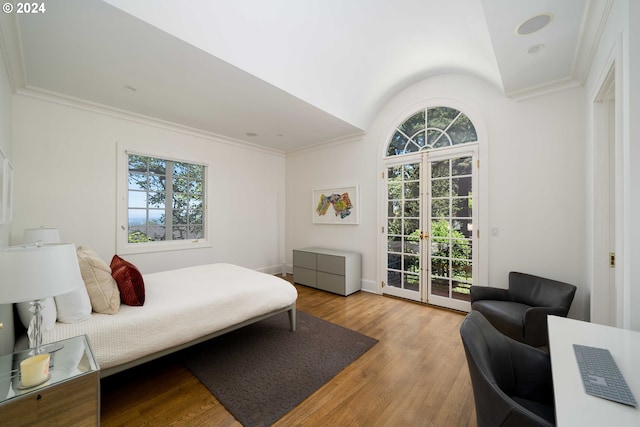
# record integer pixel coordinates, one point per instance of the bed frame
(291, 310)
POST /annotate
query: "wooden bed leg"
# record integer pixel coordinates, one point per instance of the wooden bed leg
(292, 319)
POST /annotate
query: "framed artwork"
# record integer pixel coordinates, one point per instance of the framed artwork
(6, 189)
(335, 205)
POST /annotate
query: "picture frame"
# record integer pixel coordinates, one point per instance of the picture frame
(336, 205)
(6, 189)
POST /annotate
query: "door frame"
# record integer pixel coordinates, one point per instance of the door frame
(423, 158)
(431, 156)
(607, 291)
(398, 292)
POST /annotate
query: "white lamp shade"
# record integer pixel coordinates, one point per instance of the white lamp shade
(29, 273)
(41, 234)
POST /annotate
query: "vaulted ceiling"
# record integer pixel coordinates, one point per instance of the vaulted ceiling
(288, 74)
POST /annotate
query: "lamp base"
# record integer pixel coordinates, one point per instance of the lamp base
(34, 332)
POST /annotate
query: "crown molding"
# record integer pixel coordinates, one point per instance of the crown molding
(68, 101)
(544, 89)
(327, 144)
(593, 25)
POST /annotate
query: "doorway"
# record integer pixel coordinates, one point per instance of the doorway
(430, 186)
(606, 291)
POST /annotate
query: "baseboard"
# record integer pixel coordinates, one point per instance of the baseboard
(276, 269)
(370, 286)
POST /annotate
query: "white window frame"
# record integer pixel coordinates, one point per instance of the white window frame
(122, 229)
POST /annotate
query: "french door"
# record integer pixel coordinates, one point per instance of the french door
(430, 248)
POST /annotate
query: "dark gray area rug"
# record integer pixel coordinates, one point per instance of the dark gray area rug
(262, 371)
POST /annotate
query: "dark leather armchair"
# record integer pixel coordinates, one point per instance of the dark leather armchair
(512, 382)
(520, 312)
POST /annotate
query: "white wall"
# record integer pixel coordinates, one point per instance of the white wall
(65, 177)
(6, 116)
(536, 182)
(633, 87)
(339, 165)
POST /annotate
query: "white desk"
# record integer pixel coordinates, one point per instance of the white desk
(574, 407)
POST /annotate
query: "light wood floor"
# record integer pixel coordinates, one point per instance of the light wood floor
(416, 375)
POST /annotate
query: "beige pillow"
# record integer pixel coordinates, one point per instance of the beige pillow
(102, 288)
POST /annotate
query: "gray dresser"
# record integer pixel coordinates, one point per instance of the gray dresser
(331, 270)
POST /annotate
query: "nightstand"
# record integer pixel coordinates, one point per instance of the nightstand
(71, 397)
(331, 270)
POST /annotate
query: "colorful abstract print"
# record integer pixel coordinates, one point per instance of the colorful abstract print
(340, 202)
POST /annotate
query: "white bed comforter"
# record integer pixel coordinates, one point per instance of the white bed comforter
(180, 306)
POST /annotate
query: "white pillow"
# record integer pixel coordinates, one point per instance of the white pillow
(48, 311)
(74, 306)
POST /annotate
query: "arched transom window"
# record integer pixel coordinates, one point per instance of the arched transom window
(431, 128)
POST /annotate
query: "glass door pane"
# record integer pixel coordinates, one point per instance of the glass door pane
(451, 228)
(403, 230)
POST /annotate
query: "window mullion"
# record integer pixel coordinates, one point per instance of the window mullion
(168, 206)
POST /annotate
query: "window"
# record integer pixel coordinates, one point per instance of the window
(432, 128)
(165, 205)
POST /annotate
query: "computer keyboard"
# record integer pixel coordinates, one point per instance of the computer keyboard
(601, 376)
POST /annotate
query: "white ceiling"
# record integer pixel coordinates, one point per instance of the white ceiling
(294, 72)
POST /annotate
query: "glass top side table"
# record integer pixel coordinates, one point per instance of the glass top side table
(71, 396)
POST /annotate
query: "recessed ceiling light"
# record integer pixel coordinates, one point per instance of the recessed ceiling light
(535, 49)
(534, 24)
(251, 134)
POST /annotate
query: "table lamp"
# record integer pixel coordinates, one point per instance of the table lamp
(40, 234)
(34, 272)
(32, 236)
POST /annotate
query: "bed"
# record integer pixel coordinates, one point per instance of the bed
(182, 307)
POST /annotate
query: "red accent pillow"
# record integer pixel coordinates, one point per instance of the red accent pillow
(129, 280)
